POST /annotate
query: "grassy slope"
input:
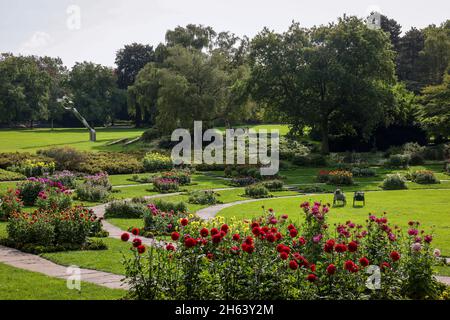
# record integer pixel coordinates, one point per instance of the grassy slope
(430, 207)
(26, 140)
(17, 284)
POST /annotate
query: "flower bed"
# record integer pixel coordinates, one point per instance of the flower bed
(96, 188)
(424, 177)
(155, 161)
(340, 178)
(30, 189)
(394, 182)
(34, 168)
(9, 203)
(45, 231)
(272, 258)
(10, 176)
(158, 222)
(183, 177)
(163, 185)
(203, 197)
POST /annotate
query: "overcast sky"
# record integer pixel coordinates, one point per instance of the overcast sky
(51, 27)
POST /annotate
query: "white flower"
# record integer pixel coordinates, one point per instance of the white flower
(416, 246)
(437, 252)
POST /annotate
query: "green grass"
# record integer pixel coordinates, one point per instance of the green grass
(430, 207)
(17, 284)
(30, 140)
(109, 260)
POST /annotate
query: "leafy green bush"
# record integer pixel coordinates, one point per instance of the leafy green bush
(66, 158)
(91, 192)
(10, 159)
(11, 176)
(398, 161)
(203, 197)
(167, 206)
(163, 185)
(424, 177)
(29, 190)
(183, 177)
(312, 189)
(273, 185)
(47, 229)
(112, 163)
(290, 148)
(242, 181)
(33, 168)
(66, 178)
(156, 161)
(257, 191)
(54, 199)
(394, 182)
(10, 203)
(340, 178)
(125, 209)
(363, 172)
(151, 134)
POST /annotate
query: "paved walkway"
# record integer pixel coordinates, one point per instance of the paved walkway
(31, 262)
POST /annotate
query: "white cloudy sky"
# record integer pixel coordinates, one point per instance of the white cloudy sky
(40, 26)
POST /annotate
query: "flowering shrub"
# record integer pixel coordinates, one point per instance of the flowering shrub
(54, 199)
(163, 185)
(424, 177)
(66, 178)
(183, 177)
(322, 176)
(30, 189)
(9, 203)
(243, 181)
(155, 161)
(10, 175)
(203, 197)
(398, 161)
(125, 209)
(66, 158)
(363, 172)
(340, 178)
(52, 230)
(273, 185)
(96, 188)
(160, 222)
(34, 168)
(257, 191)
(272, 258)
(394, 182)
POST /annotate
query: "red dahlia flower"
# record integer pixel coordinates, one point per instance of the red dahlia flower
(214, 231)
(270, 237)
(249, 240)
(204, 232)
(190, 242)
(137, 242)
(364, 262)
(340, 248)
(352, 246)
(135, 231)
(293, 233)
(125, 237)
(236, 237)
(141, 249)
(395, 256)
(284, 256)
(293, 265)
(311, 277)
(291, 226)
(331, 269)
(184, 222)
(256, 231)
(170, 247)
(216, 238)
(224, 228)
(313, 267)
(247, 248)
(349, 265)
(175, 236)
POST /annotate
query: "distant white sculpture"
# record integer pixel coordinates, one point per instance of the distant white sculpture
(67, 104)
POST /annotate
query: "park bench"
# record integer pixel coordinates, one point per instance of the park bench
(339, 196)
(359, 196)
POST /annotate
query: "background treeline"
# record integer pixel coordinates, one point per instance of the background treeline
(344, 84)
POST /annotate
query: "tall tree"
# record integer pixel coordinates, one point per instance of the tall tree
(130, 60)
(409, 64)
(336, 74)
(192, 37)
(24, 90)
(435, 110)
(393, 28)
(95, 92)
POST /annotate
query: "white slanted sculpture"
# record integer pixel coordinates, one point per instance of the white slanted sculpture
(68, 105)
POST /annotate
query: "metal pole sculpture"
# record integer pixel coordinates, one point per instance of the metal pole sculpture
(68, 105)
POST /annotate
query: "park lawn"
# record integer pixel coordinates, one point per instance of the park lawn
(3, 233)
(125, 179)
(109, 260)
(4, 186)
(31, 140)
(20, 284)
(430, 207)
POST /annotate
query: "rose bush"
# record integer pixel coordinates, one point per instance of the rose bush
(272, 258)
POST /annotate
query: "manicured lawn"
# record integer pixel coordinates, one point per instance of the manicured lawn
(17, 284)
(109, 260)
(430, 207)
(27, 140)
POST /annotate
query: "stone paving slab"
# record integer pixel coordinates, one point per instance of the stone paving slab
(34, 263)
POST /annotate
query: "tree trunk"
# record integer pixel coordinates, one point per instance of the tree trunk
(138, 117)
(325, 139)
(31, 124)
(52, 124)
